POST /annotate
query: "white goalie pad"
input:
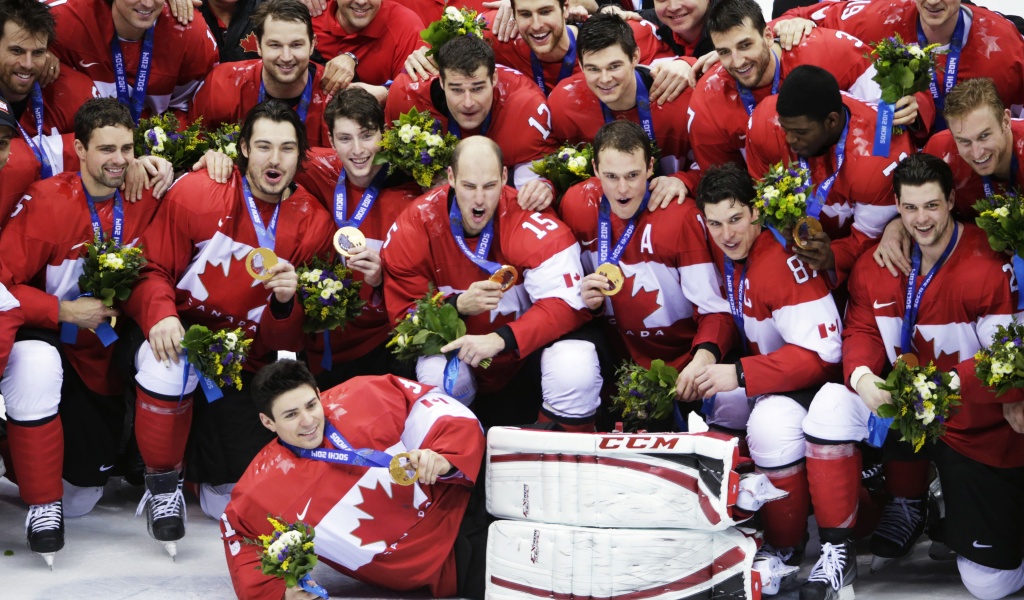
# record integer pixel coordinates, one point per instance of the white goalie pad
(538, 560)
(664, 480)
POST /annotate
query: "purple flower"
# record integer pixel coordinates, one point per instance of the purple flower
(151, 136)
(216, 347)
(636, 393)
(425, 158)
(1017, 341)
(174, 137)
(940, 419)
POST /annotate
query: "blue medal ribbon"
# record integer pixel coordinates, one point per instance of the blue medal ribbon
(210, 389)
(265, 234)
(46, 168)
(883, 129)
(568, 64)
(605, 252)
(956, 46)
(986, 180)
(820, 195)
(137, 100)
(736, 301)
(342, 453)
(313, 587)
(69, 331)
(747, 95)
(304, 101)
(365, 203)
(643, 108)
(454, 129)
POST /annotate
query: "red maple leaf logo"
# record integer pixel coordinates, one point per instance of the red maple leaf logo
(249, 43)
(926, 351)
(388, 515)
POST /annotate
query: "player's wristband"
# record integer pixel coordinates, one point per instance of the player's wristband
(859, 372)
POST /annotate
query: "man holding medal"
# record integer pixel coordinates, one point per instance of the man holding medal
(284, 34)
(513, 276)
(812, 123)
(382, 467)
(200, 249)
(360, 195)
(60, 367)
(148, 63)
(957, 292)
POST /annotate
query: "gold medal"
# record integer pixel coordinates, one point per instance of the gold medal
(804, 229)
(909, 359)
(615, 278)
(113, 322)
(259, 262)
(347, 238)
(402, 474)
(507, 276)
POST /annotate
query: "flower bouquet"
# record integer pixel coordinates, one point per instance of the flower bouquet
(288, 554)
(110, 270)
(454, 22)
(427, 328)
(416, 145)
(923, 399)
(1001, 216)
(1001, 365)
(644, 396)
(900, 70)
(160, 136)
(217, 356)
(330, 298)
(225, 139)
(568, 166)
(782, 202)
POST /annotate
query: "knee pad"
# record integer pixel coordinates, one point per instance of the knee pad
(213, 499)
(987, 583)
(160, 379)
(571, 379)
(837, 415)
(430, 371)
(79, 500)
(32, 381)
(775, 433)
(731, 411)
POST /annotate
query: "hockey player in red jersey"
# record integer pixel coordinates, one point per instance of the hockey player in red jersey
(361, 194)
(811, 122)
(753, 66)
(790, 329)
(153, 64)
(43, 247)
(456, 238)
(669, 303)
(471, 96)
(964, 290)
(197, 247)
(284, 34)
(612, 86)
(401, 537)
(977, 41)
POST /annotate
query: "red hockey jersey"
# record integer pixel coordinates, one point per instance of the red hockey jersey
(520, 117)
(43, 248)
(972, 293)
(182, 54)
(861, 201)
(671, 299)
(319, 175)
(381, 47)
(231, 90)
(61, 99)
(196, 248)
(544, 304)
(368, 527)
(22, 169)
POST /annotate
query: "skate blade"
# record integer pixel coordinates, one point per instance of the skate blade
(879, 562)
(171, 548)
(941, 552)
(846, 593)
(48, 557)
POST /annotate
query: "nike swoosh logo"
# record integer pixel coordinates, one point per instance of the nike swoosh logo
(106, 467)
(589, 242)
(79, 245)
(302, 515)
(87, 65)
(877, 305)
(977, 545)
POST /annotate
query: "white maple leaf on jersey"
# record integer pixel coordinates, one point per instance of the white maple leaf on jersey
(841, 212)
(652, 277)
(218, 251)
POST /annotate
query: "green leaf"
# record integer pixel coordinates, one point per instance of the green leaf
(887, 411)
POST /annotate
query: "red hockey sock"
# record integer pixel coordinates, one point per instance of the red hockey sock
(161, 429)
(833, 474)
(584, 427)
(785, 520)
(38, 452)
(906, 478)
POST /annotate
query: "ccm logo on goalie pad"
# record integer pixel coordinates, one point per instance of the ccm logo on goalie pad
(647, 442)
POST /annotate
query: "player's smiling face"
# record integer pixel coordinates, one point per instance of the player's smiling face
(298, 418)
(477, 186)
(22, 59)
(731, 224)
(542, 24)
(105, 160)
(356, 146)
(609, 73)
(355, 15)
(623, 178)
(684, 17)
(746, 54)
(285, 48)
(469, 97)
(133, 17)
(273, 155)
(926, 214)
(984, 140)
(935, 13)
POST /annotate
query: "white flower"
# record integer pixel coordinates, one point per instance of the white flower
(769, 193)
(923, 386)
(916, 51)
(231, 150)
(1001, 368)
(327, 293)
(415, 319)
(927, 415)
(433, 140)
(453, 14)
(577, 162)
(230, 339)
(1002, 211)
(954, 382)
(276, 548)
(113, 262)
(291, 538)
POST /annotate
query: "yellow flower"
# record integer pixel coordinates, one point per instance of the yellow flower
(284, 565)
(278, 526)
(307, 546)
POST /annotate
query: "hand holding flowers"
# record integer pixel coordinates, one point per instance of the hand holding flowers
(1001, 365)
(782, 198)
(218, 357)
(566, 167)
(287, 553)
(923, 399)
(164, 137)
(645, 396)
(454, 22)
(329, 295)
(427, 328)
